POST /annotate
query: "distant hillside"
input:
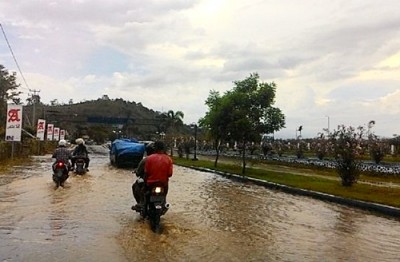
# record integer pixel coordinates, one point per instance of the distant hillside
(100, 118)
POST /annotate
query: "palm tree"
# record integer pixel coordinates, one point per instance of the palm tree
(173, 120)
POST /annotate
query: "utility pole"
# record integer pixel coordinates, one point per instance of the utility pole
(328, 125)
(34, 100)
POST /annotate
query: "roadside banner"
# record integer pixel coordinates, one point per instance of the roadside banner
(13, 122)
(62, 134)
(40, 130)
(50, 131)
(56, 133)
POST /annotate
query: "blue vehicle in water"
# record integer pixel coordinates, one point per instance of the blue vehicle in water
(126, 152)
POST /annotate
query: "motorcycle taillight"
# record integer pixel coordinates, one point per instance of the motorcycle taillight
(158, 190)
(60, 164)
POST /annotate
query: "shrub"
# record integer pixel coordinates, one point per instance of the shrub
(279, 148)
(376, 148)
(301, 146)
(321, 147)
(346, 143)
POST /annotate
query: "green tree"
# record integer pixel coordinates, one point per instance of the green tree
(8, 91)
(274, 120)
(244, 113)
(216, 120)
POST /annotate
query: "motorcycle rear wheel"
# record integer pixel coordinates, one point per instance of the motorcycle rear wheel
(57, 182)
(155, 224)
(154, 218)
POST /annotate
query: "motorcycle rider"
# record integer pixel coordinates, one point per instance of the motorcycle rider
(62, 154)
(80, 151)
(158, 167)
(138, 187)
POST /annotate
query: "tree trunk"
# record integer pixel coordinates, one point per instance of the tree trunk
(244, 159)
(217, 149)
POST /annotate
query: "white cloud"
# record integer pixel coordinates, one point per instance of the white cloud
(328, 58)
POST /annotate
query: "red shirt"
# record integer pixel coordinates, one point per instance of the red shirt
(158, 167)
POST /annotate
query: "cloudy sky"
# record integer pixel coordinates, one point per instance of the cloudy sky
(334, 61)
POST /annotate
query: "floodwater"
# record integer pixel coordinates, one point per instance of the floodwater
(211, 219)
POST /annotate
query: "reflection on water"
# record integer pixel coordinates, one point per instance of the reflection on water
(215, 219)
(58, 218)
(211, 218)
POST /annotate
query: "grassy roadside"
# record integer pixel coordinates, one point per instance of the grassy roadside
(373, 190)
(6, 164)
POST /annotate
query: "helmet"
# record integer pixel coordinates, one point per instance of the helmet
(79, 141)
(159, 146)
(150, 149)
(62, 142)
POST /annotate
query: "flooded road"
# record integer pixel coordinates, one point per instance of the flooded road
(211, 219)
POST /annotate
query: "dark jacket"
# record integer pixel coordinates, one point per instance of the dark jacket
(80, 151)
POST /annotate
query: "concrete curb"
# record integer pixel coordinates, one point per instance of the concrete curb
(383, 209)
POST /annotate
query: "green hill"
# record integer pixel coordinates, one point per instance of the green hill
(101, 119)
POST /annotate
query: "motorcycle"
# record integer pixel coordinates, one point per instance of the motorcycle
(60, 173)
(80, 166)
(155, 205)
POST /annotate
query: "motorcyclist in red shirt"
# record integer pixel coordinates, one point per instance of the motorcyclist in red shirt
(158, 166)
(155, 168)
